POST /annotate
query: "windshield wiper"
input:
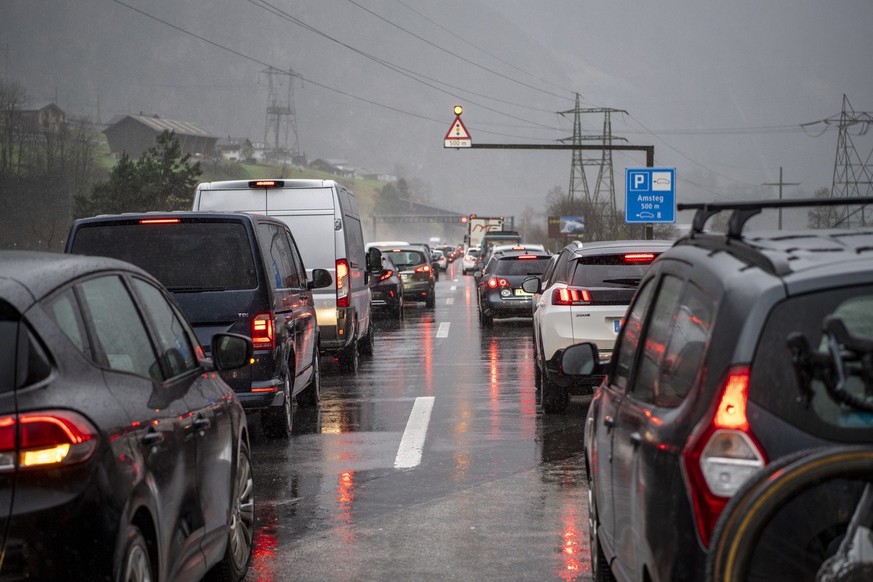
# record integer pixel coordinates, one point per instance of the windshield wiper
(191, 289)
(634, 282)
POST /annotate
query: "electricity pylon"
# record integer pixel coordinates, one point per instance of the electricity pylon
(280, 113)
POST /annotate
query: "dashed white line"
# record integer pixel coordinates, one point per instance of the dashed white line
(443, 330)
(450, 301)
(453, 288)
(412, 442)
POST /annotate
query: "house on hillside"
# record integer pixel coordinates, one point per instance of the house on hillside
(134, 134)
(44, 117)
(235, 149)
(336, 167)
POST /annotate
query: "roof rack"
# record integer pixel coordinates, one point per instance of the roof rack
(743, 211)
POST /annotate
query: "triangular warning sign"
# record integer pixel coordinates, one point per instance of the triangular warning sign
(458, 136)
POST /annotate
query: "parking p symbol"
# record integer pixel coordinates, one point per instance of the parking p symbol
(639, 181)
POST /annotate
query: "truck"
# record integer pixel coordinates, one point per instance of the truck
(478, 226)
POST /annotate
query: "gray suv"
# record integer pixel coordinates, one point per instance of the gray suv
(704, 390)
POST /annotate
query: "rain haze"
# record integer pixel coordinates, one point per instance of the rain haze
(720, 89)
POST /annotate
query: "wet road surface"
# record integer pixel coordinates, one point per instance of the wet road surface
(496, 490)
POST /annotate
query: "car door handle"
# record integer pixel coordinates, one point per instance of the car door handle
(636, 438)
(201, 423)
(152, 437)
(608, 421)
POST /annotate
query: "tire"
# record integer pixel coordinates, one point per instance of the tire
(487, 320)
(311, 395)
(554, 397)
(430, 301)
(135, 564)
(241, 529)
(800, 510)
(397, 312)
(277, 421)
(365, 345)
(600, 571)
(348, 358)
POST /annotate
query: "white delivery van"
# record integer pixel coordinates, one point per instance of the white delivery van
(323, 217)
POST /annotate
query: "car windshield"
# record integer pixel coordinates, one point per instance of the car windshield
(186, 256)
(405, 259)
(608, 271)
(521, 266)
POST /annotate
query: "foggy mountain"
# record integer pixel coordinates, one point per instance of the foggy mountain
(719, 89)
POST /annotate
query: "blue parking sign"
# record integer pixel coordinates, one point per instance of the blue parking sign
(650, 195)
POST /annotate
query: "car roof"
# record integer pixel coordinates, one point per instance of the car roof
(619, 246)
(28, 276)
(181, 214)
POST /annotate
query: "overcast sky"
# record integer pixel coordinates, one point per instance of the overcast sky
(719, 88)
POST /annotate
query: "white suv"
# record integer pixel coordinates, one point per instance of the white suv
(583, 297)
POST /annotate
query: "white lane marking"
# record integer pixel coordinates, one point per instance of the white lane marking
(450, 301)
(412, 442)
(443, 331)
(453, 288)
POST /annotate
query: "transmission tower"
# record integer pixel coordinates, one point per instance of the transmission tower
(604, 188)
(280, 113)
(852, 175)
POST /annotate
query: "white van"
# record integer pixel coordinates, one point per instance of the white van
(323, 217)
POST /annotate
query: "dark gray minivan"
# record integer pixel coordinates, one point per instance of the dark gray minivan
(229, 272)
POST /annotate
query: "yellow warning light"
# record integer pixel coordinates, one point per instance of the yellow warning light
(458, 110)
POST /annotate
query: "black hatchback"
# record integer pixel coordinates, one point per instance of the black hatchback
(499, 284)
(229, 272)
(123, 454)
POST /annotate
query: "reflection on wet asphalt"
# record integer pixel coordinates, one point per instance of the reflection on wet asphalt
(500, 492)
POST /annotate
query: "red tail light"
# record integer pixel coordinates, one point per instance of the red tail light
(639, 257)
(46, 439)
(386, 275)
(342, 283)
(571, 297)
(159, 221)
(423, 269)
(263, 336)
(494, 283)
(266, 183)
(721, 453)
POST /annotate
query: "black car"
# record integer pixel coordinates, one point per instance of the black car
(386, 289)
(125, 456)
(707, 386)
(230, 272)
(416, 272)
(499, 284)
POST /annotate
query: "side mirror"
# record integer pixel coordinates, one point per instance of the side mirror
(320, 278)
(231, 350)
(580, 361)
(374, 260)
(531, 285)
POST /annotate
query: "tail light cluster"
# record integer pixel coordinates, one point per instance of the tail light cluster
(571, 297)
(423, 269)
(45, 439)
(386, 274)
(342, 283)
(495, 282)
(721, 453)
(263, 334)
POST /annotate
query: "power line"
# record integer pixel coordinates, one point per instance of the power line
(490, 54)
(457, 56)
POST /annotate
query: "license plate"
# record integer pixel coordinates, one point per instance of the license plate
(522, 293)
(616, 325)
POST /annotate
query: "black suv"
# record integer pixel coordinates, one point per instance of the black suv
(229, 272)
(702, 390)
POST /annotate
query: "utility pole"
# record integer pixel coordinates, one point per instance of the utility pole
(280, 112)
(780, 183)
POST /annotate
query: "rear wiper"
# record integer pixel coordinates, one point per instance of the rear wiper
(629, 281)
(194, 289)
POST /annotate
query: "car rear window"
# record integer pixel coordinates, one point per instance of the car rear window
(404, 259)
(521, 266)
(774, 382)
(184, 256)
(622, 270)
